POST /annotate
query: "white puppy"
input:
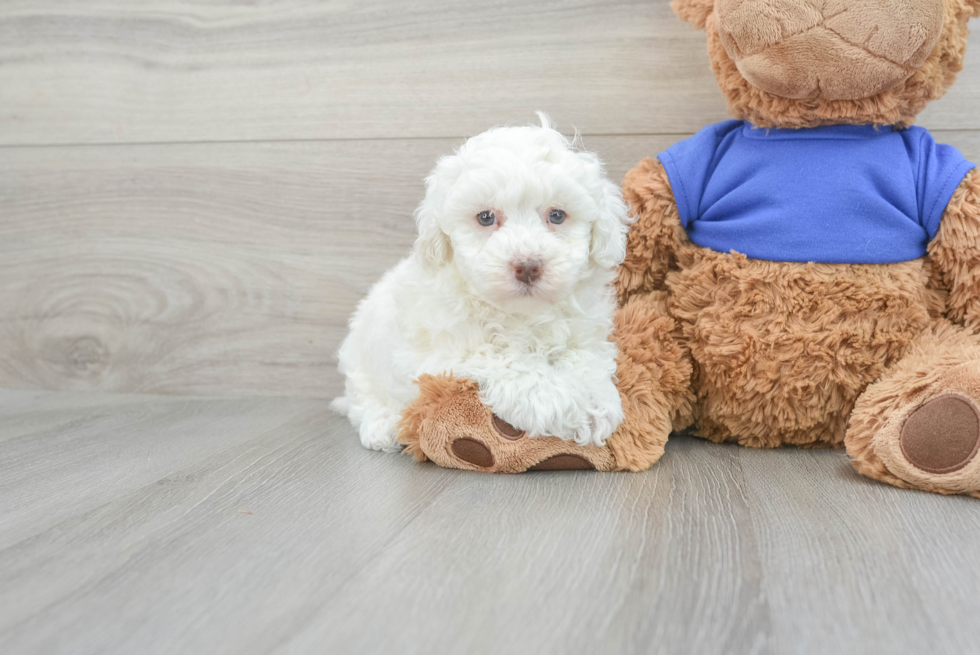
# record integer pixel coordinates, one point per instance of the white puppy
(509, 284)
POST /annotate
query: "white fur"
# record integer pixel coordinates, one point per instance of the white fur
(541, 355)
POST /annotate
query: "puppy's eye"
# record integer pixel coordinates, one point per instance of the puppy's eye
(486, 218)
(556, 217)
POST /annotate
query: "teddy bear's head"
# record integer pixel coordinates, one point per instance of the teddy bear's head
(803, 63)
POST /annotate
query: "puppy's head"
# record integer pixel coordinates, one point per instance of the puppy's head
(523, 216)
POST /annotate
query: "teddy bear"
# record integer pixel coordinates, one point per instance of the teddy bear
(806, 274)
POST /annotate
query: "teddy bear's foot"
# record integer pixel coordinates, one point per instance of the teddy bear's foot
(919, 427)
(452, 427)
(448, 423)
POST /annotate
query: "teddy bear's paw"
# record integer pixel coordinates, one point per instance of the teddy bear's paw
(929, 440)
(495, 446)
(942, 435)
(515, 456)
(935, 444)
(605, 414)
(451, 426)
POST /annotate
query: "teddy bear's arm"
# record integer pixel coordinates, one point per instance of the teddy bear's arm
(956, 253)
(654, 239)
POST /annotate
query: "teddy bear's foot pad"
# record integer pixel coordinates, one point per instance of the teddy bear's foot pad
(943, 435)
(564, 463)
(930, 441)
(506, 430)
(474, 452)
(918, 427)
(499, 447)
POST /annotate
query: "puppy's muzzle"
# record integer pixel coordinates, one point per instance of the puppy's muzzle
(527, 271)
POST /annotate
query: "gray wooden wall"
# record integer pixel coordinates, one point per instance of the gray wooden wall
(194, 195)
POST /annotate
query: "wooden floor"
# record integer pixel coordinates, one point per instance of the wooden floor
(151, 524)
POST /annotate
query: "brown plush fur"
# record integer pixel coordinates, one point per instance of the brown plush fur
(653, 374)
(784, 350)
(833, 49)
(944, 359)
(956, 253)
(449, 408)
(896, 106)
(784, 353)
(653, 243)
(435, 392)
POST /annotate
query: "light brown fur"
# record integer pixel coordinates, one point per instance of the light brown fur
(943, 359)
(896, 106)
(654, 241)
(653, 374)
(449, 408)
(956, 253)
(785, 353)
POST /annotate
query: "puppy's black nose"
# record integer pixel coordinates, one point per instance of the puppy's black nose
(527, 271)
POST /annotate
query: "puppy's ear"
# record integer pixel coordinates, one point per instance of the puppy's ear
(432, 244)
(608, 249)
(694, 12)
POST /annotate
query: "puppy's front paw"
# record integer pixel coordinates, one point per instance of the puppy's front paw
(586, 411)
(604, 414)
(540, 405)
(378, 430)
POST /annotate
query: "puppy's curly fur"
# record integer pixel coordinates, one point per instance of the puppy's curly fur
(509, 285)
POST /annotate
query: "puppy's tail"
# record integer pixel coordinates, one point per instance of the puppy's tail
(340, 405)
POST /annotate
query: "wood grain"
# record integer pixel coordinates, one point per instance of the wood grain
(167, 525)
(115, 71)
(210, 268)
(896, 574)
(205, 268)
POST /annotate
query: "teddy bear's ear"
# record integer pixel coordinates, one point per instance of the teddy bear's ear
(695, 12)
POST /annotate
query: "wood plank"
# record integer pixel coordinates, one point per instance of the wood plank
(119, 514)
(117, 445)
(174, 70)
(902, 573)
(260, 525)
(205, 268)
(210, 268)
(663, 561)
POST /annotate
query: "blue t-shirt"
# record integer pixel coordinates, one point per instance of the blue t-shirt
(851, 194)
